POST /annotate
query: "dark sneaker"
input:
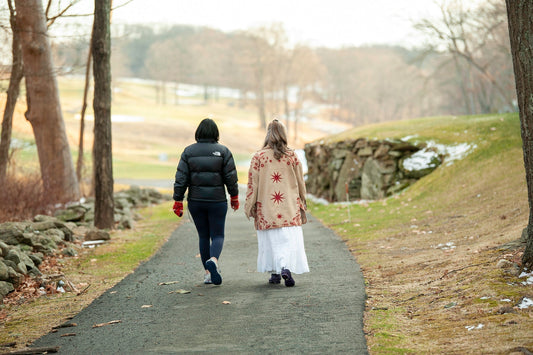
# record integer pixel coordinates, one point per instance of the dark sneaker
(274, 279)
(212, 266)
(286, 274)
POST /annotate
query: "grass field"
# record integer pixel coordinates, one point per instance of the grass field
(148, 137)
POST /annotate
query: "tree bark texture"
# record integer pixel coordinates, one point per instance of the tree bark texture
(520, 15)
(102, 150)
(13, 91)
(44, 109)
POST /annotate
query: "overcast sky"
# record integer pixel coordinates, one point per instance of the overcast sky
(331, 23)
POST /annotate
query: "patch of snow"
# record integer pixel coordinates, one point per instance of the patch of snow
(20, 144)
(505, 300)
(301, 156)
(408, 138)
(115, 118)
(529, 280)
(317, 199)
(472, 327)
(526, 303)
(421, 160)
(453, 152)
(446, 246)
(126, 118)
(450, 152)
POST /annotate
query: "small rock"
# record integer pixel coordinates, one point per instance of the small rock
(37, 258)
(97, 234)
(4, 272)
(504, 264)
(15, 278)
(69, 251)
(5, 288)
(506, 309)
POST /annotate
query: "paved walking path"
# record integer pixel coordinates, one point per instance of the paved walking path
(322, 314)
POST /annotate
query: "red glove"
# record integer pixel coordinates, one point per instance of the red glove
(235, 202)
(178, 208)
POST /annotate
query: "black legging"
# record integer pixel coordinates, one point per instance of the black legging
(209, 219)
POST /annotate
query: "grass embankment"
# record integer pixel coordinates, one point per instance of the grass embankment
(95, 270)
(429, 255)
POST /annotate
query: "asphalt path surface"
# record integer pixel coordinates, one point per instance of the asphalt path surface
(322, 314)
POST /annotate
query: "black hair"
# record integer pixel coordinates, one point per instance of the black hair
(207, 130)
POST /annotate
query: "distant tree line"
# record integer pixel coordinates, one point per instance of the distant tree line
(465, 67)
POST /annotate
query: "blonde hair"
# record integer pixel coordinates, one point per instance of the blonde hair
(276, 138)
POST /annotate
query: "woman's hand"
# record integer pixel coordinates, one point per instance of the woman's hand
(178, 208)
(234, 202)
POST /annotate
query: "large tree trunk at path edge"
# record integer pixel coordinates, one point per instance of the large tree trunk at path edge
(44, 109)
(102, 152)
(520, 15)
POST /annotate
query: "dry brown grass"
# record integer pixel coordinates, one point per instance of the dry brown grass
(432, 294)
(22, 197)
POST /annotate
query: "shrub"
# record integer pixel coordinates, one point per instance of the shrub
(22, 197)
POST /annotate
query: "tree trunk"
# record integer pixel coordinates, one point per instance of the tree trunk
(520, 15)
(44, 109)
(12, 94)
(102, 152)
(79, 164)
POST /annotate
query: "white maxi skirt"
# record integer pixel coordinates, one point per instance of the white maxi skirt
(281, 248)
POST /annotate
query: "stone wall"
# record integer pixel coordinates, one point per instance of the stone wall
(364, 169)
(24, 245)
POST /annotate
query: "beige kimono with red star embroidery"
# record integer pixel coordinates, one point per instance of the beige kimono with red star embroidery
(276, 190)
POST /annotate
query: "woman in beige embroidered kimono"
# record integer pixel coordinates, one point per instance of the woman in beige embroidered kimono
(276, 200)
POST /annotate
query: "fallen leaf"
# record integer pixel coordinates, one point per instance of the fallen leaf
(226, 302)
(69, 335)
(146, 306)
(180, 291)
(167, 283)
(107, 323)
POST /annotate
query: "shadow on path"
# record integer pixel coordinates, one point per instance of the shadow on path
(322, 314)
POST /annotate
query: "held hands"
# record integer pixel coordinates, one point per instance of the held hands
(235, 202)
(178, 208)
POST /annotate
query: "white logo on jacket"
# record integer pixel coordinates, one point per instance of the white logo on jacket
(216, 153)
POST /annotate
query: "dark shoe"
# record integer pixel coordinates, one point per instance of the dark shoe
(212, 266)
(274, 279)
(286, 274)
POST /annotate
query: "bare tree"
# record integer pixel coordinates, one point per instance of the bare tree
(266, 53)
(12, 93)
(306, 72)
(102, 150)
(473, 40)
(520, 14)
(79, 163)
(44, 109)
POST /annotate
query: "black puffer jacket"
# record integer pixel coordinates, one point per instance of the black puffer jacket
(205, 168)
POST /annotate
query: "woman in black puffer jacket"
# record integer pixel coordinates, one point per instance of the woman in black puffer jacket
(207, 169)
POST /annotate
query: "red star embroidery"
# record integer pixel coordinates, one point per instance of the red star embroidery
(277, 197)
(276, 177)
